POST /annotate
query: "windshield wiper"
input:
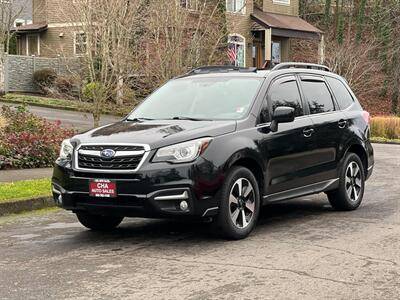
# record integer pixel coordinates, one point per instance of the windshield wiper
(139, 119)
(190, 119)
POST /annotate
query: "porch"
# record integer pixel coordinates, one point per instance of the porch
(272, 34)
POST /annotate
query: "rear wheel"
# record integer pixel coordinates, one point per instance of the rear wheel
(239, 204)
(350, 193)
(97, 222)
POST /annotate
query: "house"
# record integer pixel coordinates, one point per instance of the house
(263, 31)
(259, 31)
(49, 34)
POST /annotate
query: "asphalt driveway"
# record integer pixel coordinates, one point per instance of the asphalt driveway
(301, 249)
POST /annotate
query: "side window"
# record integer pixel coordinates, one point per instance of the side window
(341, 93)
(317, 94)
(285, 92)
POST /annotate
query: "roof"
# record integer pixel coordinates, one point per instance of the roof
(36, 27)
(292, 26)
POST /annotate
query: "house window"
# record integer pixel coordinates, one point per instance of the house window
(236, 6)
(237, 50)
(32, 45)
(80, 43)
(189, 4)
(283, 2)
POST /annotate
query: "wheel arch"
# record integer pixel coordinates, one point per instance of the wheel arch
(254, 165)
(360, 151)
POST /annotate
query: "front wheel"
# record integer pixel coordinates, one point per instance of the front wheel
(97, 222)
(350, 193)
(239, 204)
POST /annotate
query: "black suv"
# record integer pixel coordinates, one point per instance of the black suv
(217, 143)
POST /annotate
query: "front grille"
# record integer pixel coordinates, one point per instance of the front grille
(113, 147)
(92, 159)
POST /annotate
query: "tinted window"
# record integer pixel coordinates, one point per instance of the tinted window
(318, 96)
(341, 93)
(285, 92)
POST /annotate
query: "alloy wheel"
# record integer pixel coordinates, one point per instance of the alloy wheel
(242, 203)
(353, 181)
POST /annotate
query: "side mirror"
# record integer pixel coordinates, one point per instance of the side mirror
(282, 114)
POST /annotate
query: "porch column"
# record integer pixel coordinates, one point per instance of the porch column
(321, 50)
(268, 41)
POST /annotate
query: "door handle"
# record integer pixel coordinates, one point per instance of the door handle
(342, 124)
(308, 132)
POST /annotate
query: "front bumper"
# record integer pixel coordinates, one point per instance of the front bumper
(156, 191)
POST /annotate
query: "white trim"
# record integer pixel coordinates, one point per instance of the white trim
(281, 2)
(71, 24)
(240, 43)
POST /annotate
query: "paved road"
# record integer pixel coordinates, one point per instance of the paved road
(301, 249)
(80, 121)
(26, 174)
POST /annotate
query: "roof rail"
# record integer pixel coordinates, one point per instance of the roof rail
(289, 65)
(220, 69)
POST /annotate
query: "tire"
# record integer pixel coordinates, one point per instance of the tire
(238, 207)
(350, 193)
(97, 222)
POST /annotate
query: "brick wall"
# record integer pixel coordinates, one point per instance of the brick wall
(275, 7)
(19, 70)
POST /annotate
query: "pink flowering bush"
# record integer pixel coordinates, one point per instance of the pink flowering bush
(28, 141)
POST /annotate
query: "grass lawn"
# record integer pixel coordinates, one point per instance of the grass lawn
(20, 190)
(75, 105)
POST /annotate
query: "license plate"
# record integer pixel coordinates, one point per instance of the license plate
(102, 188)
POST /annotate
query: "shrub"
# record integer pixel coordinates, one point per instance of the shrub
(64, 85)
(93, 90)
(44, 78)
(386, 127)
(28, 141)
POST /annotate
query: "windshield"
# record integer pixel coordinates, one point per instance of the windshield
(200, 98)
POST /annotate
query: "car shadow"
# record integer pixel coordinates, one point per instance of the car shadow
(137, 231)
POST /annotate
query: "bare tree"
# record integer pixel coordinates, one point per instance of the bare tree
(180, 39)
(105, 36)
(152, 40)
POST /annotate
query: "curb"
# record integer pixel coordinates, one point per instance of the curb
(53, 107)
(25, 205)
(386, 143)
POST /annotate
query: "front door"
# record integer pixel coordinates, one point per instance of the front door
(258, 54)
(286, 151)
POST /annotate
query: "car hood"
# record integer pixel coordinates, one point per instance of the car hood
(156, 134)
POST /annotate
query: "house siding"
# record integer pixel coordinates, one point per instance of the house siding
(39, 11)
(291, 9)
(241, 24)
(53, 45)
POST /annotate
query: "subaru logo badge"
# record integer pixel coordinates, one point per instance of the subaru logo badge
(107, 153)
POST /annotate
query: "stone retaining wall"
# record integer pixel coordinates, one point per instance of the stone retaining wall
(19, 70)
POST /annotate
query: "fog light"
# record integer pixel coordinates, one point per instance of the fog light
(184, 205)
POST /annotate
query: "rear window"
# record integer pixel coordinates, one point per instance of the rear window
(341, 93)
(318, 97)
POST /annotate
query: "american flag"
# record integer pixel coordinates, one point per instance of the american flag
(232, 54)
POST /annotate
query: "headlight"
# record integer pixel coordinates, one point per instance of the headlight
(184, 152)
(66, 150)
